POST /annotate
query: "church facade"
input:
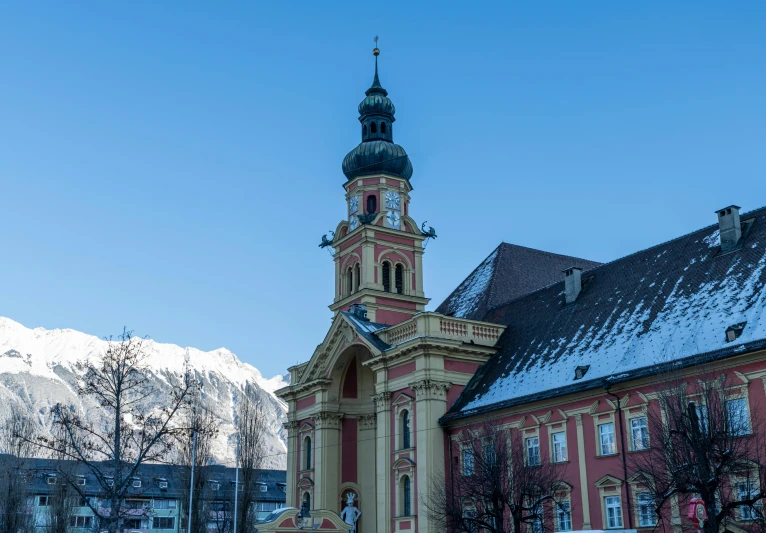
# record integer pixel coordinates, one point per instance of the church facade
(561, 352)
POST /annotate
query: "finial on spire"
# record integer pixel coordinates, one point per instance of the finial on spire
(376, 50)
(376, 87)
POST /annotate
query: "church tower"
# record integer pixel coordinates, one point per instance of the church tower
(378, 248)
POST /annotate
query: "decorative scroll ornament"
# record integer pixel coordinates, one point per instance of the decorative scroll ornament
(328, 420)
(430, 389)
(367, 421)
(382, 401)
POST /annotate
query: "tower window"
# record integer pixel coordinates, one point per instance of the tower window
(364, 130)
(382, 127)
(372, 204)
(386, 276)
(350, 281)
(406, 496)
(373, 128)
(357, 276)
(399, 278)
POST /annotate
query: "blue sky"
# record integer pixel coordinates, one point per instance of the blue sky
(171, 166)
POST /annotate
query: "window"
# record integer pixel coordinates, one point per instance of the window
(164, 522)
(81, 521)
(372, 204)
(307, 499)
(349, 281)
(214, 485)
(164, 504)
(639, 433)
(136, 523)
(564, 516)
(386, 276)
(702, 416)
(373, 128)
(163, 484)
(606, 439)
(533, 451)
(469, 520)
(737, 419)
(405, 421)
(357, 276)
(282, 487)
(382, 127)
(406, 497)
(468, 462)
(43, 501)
(137, 504)
(537, 521)
(364, 130)
(109, 482)
(490, 455)
(646, 514)
(51, 480)
(263, 487)
(81, 481)
(613, 512)
(266, 506)
(136, 483)
(559, 447)
(745, 491)
(399, 278)
(307, 452)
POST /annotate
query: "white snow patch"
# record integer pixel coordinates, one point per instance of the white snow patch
(713, 240)
(472, 289)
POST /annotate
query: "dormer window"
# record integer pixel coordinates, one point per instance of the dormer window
(580, 371)
(733, 332)
(136, 484)
(214, 485)
(52, 479)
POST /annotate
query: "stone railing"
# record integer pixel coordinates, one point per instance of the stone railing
(443, 327)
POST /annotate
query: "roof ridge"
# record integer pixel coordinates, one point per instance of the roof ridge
(754, 212)
(548, 253)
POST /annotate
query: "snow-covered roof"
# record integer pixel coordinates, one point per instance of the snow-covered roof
(508, 272)
(668, 303)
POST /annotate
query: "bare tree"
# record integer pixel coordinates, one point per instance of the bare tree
(251, 435)
(707, 443)
(205, 424)
(134, 432)
(17, 435)
(498, 488)
(16, 505)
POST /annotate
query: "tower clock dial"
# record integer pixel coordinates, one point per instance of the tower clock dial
(353, 222)
(392, 200)
(393, 220)
(353, 204)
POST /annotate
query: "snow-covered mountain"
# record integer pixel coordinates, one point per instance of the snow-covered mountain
(40, 367)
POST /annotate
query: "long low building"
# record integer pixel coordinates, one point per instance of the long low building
(157, 497)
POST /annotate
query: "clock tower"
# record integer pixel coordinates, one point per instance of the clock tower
(378, 247)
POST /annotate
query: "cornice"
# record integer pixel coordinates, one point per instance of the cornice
(291, 391)
(429, 389)
(367, 229)
(328, 420)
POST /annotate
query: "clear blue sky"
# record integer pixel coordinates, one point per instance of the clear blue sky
(171, 166)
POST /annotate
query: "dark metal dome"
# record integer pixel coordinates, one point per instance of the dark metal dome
(377, 152)
(373, 157)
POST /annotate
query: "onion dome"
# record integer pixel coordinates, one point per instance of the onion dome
(377, 152)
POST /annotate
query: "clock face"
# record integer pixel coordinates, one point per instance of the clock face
(353, 222)
(393, 220)
(392, 200)
(353, 204)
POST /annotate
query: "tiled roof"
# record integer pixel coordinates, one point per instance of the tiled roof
(669, 304)
(508, 272)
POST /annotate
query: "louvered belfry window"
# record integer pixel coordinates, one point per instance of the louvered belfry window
(399, 279)
(358, 276)
(387, 276)
(350, 281)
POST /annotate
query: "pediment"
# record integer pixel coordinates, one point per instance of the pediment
(341, 336)
(402, 398)
(608, 481)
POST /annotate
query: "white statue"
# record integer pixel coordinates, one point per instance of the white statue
(350, 514)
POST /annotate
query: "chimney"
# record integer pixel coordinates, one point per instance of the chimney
(572, 283)
(729, 227)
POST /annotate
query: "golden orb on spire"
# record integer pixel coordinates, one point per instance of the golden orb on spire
(376, 50)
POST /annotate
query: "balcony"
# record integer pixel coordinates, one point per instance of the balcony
(438, 326)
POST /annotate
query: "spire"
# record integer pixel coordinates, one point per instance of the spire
(376, 88)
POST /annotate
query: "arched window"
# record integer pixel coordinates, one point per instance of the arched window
(373, 128)
(307, 499)
(399, 278)
(382, 127)
(372, 204)
(364, 130)
(357, 276)
(350, 281)
(386, 276)
(405, 429)
(406, 496)
(307, 452)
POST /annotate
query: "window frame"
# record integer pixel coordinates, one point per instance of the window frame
(562, 447)
(527, 456)
(558, 513)
(652, 516)
(612, 506)
(600, 434)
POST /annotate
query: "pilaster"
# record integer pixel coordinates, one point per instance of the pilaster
(366, 457)
(327, 450)
(292, 466)
(430, 405)
(583, 473)
(383, 460)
